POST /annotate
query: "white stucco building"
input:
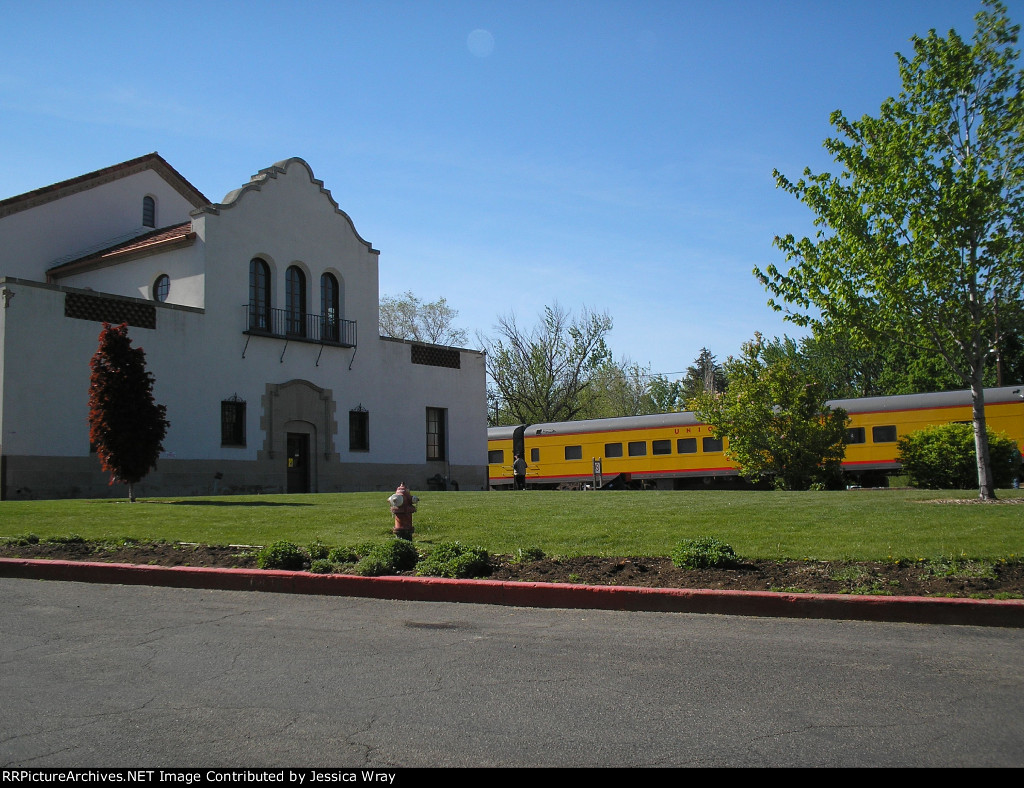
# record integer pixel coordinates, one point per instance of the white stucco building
(259, 319)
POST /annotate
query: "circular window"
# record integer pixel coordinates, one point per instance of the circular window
(161, 287)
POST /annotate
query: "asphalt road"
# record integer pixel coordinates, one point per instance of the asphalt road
(134, 676)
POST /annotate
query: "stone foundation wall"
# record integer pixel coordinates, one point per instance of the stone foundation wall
(31, 478)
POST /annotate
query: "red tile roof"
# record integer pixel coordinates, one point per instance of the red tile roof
(147, 243)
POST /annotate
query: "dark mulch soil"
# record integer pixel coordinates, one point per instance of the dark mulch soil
(823, 577)
(965, 579)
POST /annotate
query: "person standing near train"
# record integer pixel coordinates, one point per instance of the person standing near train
(518, 472)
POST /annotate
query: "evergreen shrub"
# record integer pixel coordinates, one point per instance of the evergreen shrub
(523, 554)
(703, 553)
(321, 566)
(942, 457)
(455, 560)
(389, 558)
(281, 555)
(350, 554)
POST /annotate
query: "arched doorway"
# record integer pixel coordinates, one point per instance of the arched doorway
(298, 418)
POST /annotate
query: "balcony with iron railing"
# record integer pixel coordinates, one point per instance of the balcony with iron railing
(304, 327)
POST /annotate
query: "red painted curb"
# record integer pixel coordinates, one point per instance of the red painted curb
(919, 610)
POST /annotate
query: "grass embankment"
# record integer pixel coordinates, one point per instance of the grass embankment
(863, 525)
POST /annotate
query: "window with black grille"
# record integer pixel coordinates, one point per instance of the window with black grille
(436, 433)
(359, 429)
(232, 422)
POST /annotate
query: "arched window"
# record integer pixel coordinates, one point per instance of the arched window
(329, 312)
(148, 211)
(259, 295)
(161, 287)
(295, 300)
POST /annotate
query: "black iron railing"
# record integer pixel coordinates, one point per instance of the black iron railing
(288, 324)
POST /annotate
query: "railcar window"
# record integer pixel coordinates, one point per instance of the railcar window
(613, 450)
(885, 434)
(856, 435)
(534, 455)
(661, 447)
(496, 457)
(712, 444)
(686, 446)
(574, 452)
(638, 448)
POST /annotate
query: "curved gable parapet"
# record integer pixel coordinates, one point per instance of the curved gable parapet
(257, 181)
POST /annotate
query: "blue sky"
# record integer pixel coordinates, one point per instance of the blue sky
(504, 155)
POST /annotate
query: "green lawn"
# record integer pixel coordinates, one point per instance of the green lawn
(857, 524)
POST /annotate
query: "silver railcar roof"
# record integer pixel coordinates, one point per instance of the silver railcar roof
(942, 399)
(501, 433)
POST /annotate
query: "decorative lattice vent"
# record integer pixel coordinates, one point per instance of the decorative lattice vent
(109, 310)
(436, 356)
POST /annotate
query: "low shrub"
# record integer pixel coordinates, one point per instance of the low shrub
(703, 553)
(373, 566)
(942, 457)
(321, 566)
(389, 558)
(527, 554)
(21, 541)
(343, 555)
(349, 554)
(317, 550)
(280, 555)
(453, 559)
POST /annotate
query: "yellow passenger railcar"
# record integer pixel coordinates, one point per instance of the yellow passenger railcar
(670, 450)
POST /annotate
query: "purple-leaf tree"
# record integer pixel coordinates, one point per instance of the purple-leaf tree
(126, 426)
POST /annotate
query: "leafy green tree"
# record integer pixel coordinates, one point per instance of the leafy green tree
(849, 366)
(408, 317)
(544, 374)
(844, 366)
(666, 395)
(1009, 366)
(126, 426)
(776, 421)
(921, 232)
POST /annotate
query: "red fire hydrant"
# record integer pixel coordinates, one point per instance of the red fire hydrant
(402, 506)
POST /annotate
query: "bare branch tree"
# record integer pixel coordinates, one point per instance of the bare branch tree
(407, 317)
(541, 374)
